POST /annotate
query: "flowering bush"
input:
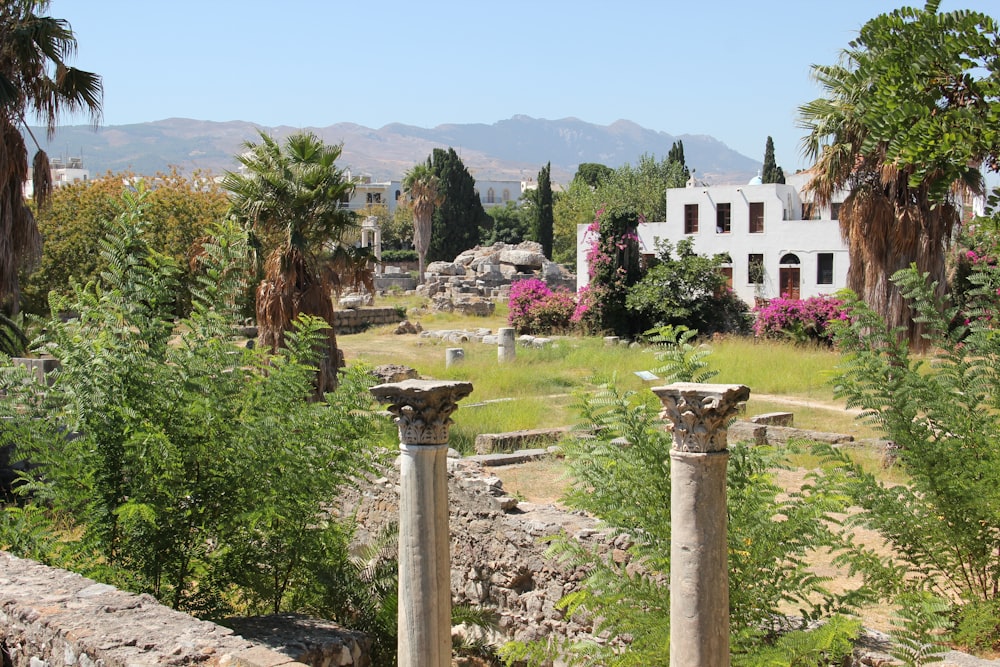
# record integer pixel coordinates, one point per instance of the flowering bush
(533, 308)
(802, 320)
(613, 259)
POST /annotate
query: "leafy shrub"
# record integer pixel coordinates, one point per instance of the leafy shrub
(533, 308)
(628, 488)
(686, 291)
(799, 320)
(942, 411)
(613, 259)
(399, 255)
(198, 469)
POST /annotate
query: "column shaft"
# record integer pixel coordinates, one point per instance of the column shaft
(424, 568)
(699, 580)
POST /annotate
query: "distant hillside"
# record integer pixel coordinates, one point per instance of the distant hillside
(509, 149)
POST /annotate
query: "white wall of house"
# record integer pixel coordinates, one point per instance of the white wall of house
(497, 192)
(368, 192)
(795, 255)
(64, 172)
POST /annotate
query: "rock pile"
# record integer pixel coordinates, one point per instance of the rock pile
(480, 275)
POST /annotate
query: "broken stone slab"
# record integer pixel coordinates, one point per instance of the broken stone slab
(490, 443)
(762, 434)
(774, 419)
(445, 269)
(508, 458)
(522, 258)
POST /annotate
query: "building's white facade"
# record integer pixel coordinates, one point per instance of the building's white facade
(491, 193)
(498, 193)
(368, 192)
(64, 172)
(778, 243)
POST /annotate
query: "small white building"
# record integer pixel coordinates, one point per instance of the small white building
(777, 241)
(498, 192)
(64, 172)
(368, 192)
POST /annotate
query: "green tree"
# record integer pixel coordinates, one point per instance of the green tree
(426, 193)
(544, 220)
(34, 80)
(181, 210)
(640, 189)
(292, 197)
(459, 219)
(906, 120)
(676, 155)
(198, 469)
(772, 173)
(576, 206)
(592, 173)
(511, 224)
(643, 187)
(687, 290)
(397, 233)
(615, 266)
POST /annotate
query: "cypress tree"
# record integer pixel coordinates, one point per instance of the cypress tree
(772, 172)
(676, 155)
(458, 221)
(544, 219)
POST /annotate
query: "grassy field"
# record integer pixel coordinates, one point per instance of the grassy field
(538, 389)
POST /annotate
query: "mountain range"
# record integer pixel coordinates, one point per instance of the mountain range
(516, 148)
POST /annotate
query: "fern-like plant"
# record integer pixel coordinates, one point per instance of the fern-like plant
(622, 475)
(942, 412)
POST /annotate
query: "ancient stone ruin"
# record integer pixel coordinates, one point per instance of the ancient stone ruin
(473, 280)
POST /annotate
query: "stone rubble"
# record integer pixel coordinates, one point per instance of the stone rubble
(476, 278)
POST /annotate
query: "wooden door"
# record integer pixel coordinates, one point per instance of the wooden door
(788, 277)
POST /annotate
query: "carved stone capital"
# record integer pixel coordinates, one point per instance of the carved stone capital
(700, 413)
(422, 408)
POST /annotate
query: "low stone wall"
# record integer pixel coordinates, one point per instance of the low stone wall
(54, 617)
(489, 443)
(769, 434)
(355, 320)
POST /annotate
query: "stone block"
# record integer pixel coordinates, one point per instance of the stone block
(774, 418)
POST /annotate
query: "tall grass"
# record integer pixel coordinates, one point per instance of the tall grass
(775, 367)
(543, 382)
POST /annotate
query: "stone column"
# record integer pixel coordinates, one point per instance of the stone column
(422, 409)
(699, 575)
(506, 350)
(453, 355)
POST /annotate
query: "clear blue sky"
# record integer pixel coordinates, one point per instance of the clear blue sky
(736, 71)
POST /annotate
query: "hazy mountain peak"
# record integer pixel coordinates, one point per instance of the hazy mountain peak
(507, 149)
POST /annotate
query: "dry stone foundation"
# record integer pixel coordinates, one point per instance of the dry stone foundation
(497, 548)
(51, 617)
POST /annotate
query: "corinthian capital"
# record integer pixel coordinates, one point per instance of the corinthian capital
(422, 408)
(700, 413)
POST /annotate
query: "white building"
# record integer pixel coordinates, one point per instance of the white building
(777, 241)
(498, 192)
(491, 193)
(368, 192)
(64, 172)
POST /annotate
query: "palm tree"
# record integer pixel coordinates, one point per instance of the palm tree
(423, 187)
(34, 79)
(904, 125)
(292, 198)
